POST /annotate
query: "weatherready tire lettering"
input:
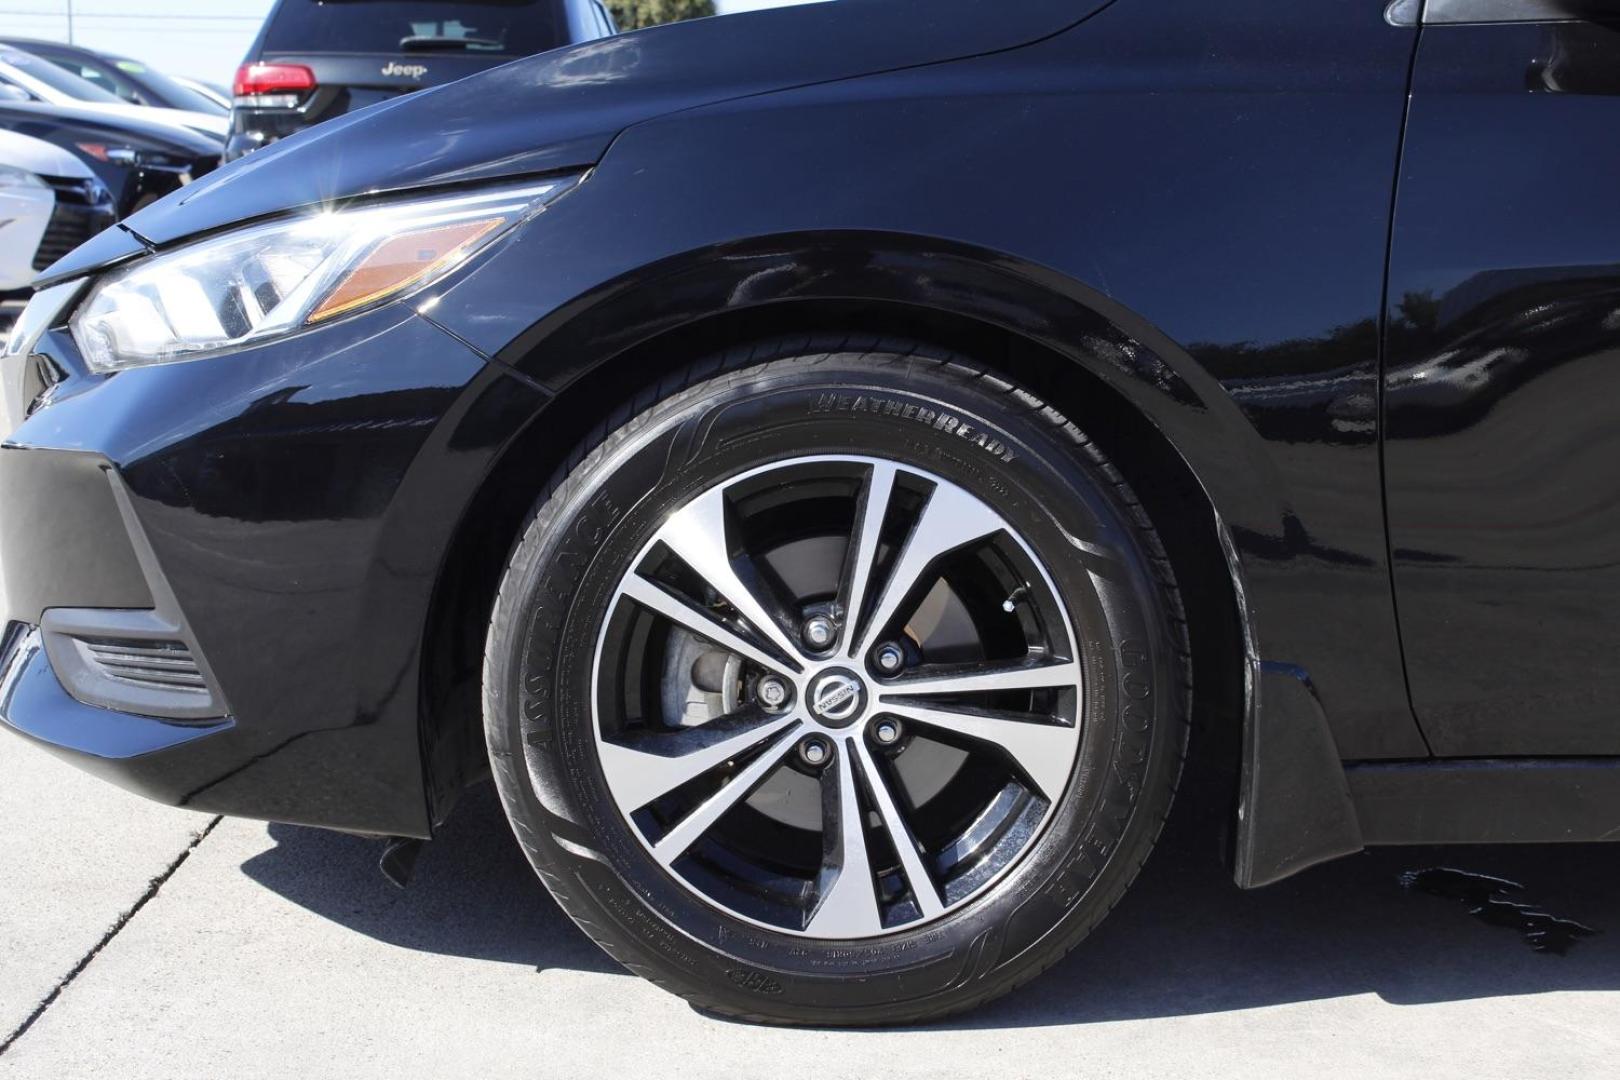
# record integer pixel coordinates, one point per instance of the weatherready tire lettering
(938, 419)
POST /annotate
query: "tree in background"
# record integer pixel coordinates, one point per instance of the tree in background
(634, 14)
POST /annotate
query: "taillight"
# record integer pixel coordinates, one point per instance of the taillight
(114, 155)
(272, 86)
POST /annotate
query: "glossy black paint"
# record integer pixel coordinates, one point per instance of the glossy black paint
(166, 156)
(1265, 377)
(112, 744)
(560, 110)
(102, 251)
(1170, 209)
(291, 497)
(1503, 390)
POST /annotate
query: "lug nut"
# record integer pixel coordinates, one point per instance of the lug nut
(889, 658)
(772, 692)
(886, 732)
(819, 632)
(815, 751)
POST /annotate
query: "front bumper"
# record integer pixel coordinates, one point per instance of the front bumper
(217, 573)
(24, 215)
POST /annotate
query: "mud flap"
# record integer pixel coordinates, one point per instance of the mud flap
(398, 861)
(1294, 806)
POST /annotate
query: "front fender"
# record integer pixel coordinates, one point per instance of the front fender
(1207, 237)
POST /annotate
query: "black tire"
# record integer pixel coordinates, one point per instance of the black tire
(725, 415)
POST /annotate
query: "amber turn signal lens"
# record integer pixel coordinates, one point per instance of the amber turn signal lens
(399, 262)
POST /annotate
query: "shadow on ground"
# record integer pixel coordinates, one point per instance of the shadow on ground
(1184, 941)
(473, 893)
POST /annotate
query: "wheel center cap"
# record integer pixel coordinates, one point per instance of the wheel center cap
(837, 697)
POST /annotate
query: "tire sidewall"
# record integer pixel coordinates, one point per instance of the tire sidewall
(1040, 476)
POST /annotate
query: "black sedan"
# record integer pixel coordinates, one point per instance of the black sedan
(139, 160)
(824, 463)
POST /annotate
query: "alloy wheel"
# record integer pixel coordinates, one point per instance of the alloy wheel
(837, 697)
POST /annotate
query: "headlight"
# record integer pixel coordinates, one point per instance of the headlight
(266, 281)
(13, 177)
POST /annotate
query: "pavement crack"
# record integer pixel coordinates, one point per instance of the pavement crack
(152, 888)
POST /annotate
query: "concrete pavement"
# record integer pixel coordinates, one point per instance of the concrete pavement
(75, 859)
(275, 951)
(138, 941)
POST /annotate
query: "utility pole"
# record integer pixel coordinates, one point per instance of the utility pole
(70, 21)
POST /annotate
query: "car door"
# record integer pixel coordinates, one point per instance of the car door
(1502, 378)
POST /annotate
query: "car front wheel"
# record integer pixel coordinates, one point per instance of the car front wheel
(844, 687)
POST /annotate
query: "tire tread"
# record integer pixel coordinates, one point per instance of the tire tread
(622, 423)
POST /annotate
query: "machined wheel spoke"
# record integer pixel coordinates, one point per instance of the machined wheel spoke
(813, 718)
(653, 765)
(984, 678)
(864, 540)
(905, 842)
(951, 519)
(1044, 752)
(703, 817)
(697, 533)
(679, 610)
(848, 905)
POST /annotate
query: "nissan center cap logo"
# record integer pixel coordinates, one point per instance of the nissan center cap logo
(836, 696)
(409, 71)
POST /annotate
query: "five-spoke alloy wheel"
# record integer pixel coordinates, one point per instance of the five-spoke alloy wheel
(839, 688)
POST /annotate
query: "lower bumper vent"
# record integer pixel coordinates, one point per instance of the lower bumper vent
(131, 661)
(157, 664)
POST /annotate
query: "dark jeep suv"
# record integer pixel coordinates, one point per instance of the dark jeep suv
(316, 59)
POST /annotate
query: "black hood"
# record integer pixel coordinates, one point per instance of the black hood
(561, 109)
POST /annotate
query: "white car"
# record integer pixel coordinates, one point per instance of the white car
(213, 93)
(43, 81)
(50, 202)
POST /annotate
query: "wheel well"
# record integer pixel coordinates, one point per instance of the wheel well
(452, 734)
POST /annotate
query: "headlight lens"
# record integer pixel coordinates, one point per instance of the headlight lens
(262, 282)
(13, 177)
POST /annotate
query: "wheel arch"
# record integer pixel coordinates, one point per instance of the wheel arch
(1149, 406)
